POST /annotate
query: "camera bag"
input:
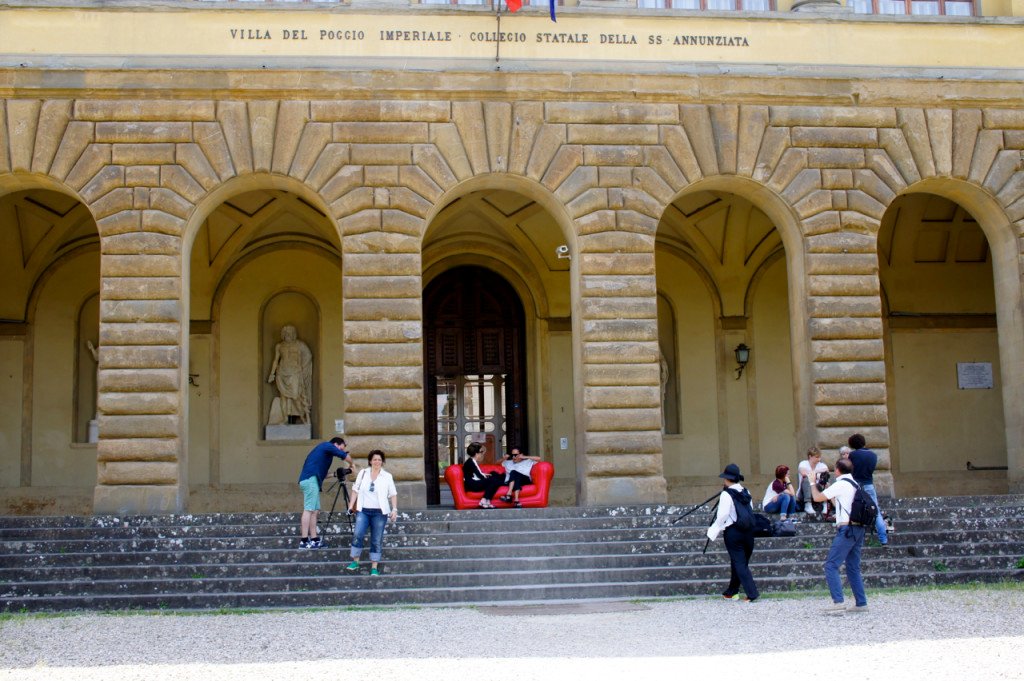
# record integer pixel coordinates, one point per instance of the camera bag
(783, 528)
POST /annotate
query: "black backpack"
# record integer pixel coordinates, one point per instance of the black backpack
(863, 511)
(745, 521)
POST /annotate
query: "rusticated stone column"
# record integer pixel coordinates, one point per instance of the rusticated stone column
(847, 349)
(382, 291)
(141, 452)
(618, 327)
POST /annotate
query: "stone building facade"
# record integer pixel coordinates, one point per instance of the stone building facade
(862, 231)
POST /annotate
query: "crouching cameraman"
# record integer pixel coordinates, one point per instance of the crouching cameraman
(314, 470)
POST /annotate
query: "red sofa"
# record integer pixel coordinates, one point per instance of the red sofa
(532, 496)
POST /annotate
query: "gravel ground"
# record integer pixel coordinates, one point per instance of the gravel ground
(933, 635)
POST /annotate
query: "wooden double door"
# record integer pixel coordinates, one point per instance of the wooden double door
(474, 369)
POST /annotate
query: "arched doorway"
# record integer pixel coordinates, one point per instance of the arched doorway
(942, 349)
(723, 281)
(49, 335)
(474, 365)
(265, 279)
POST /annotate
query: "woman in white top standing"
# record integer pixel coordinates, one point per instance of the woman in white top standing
(375, 500)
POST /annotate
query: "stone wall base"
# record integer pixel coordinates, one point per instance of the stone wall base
(952, 483)
(45, 501)
(138, 499)
(623, 490)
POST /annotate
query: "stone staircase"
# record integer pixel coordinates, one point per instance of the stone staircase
(447, 557)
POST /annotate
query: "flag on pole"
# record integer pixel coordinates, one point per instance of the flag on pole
(516, 5)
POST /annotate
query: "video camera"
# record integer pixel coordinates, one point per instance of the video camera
(342, 473)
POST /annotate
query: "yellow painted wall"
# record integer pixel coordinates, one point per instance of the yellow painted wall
(55, 462)
(244, 457)
(12, 351)
(562, 416)
(199, 405)
(771, 370)
(940, 427)
(694, 451)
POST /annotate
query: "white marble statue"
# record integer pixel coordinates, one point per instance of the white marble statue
(93, 434)
(292, 374)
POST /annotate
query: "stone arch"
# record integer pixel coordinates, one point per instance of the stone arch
(1008, 276)
(791, 230)
(246, 183)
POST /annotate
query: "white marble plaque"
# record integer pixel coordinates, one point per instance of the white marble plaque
(974, 375)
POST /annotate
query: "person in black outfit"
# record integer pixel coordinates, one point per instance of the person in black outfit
(739, 543)
(475, 480)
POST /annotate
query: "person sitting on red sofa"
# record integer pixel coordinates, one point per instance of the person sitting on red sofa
(517, 473)
(475, 480)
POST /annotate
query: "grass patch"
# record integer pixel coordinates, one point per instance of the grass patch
(1020, 564)
(940, 566)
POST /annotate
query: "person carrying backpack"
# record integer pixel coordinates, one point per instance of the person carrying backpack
(851, 525)
(736, 518)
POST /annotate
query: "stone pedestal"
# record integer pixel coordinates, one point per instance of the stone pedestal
(623, 490)
(289, 431)
(138, 499)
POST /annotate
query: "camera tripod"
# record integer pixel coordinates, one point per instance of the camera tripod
(699, 506)
(340, 489)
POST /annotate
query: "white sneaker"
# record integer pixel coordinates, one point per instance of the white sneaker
(835, 609)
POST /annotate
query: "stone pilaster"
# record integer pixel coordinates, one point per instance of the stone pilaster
(382, 290)
(141, 452)
(621, 409)
(847, 347)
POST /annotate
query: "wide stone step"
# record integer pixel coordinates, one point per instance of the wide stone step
(200, 583)
(449, 557)
(965, 531)
(376, 591)
(982, 505)
(920, 544)
(323, 562)
(507, 524)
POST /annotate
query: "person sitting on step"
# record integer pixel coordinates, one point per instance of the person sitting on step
(809, 472)
(475, 480)
(780, 497)
(517, 474)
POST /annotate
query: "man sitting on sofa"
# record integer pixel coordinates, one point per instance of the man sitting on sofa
(517, 474)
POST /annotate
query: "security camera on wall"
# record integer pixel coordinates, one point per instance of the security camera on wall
(563, 252)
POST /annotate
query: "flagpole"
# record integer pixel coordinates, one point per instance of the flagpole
(497, 43)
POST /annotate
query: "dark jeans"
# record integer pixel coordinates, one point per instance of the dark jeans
(372, 519)
(489, 485)
(740, 545)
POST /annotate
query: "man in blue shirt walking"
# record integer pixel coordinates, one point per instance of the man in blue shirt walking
(864, 461)
(314, 470)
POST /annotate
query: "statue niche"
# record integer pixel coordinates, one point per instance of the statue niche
(291, 373)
